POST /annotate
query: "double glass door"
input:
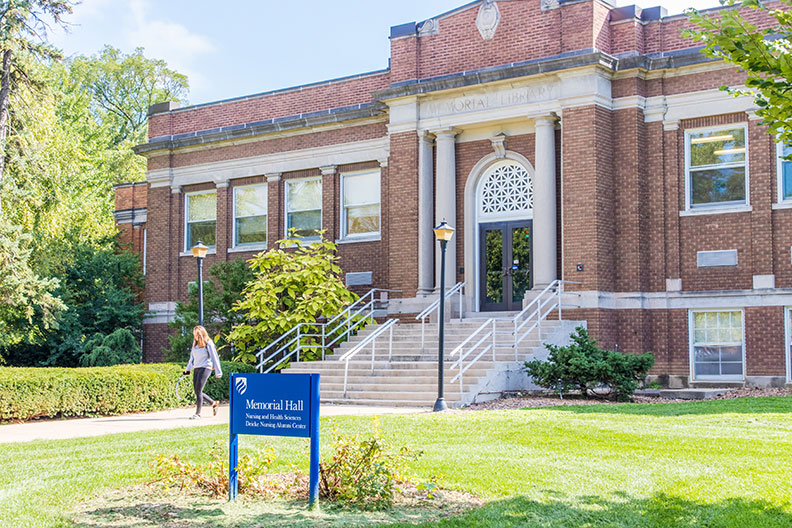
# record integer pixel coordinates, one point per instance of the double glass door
(505, 264)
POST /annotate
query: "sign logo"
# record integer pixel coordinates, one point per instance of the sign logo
(241, 385)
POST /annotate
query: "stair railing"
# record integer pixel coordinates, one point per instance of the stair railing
(488, 336)
(529, 319)
(349, 321)
(429, 310)
(369, 339)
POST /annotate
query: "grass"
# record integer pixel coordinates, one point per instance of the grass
(703, 464)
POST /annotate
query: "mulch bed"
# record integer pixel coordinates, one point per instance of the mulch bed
(520, 400)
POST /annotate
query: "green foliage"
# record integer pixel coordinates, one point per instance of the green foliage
(220, 297)
(764, 54)
(23, 294)
(98, 288)
(175, 471)
(365, 470)
(296, 283)
(118, 348)
(590, 369)
(28, 393)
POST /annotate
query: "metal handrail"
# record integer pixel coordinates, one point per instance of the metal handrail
(457, 288)
(539, 309)
(363, 308)
(458, 364)
(371, 338)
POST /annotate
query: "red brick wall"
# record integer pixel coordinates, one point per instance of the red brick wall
(283, 103)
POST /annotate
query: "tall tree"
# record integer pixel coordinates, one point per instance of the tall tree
(764, 54)
(23, 33)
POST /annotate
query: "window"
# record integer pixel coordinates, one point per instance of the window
(361, 212)
(717, 345)
(716, 168)
(784, 173)
(201, 216)
(304, 207)
(250, 215)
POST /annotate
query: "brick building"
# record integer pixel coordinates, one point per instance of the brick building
(562, 139)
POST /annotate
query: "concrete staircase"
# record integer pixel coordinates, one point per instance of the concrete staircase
(409, 378)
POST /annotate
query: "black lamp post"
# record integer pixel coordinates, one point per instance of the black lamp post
(199, 252)
(443, 233)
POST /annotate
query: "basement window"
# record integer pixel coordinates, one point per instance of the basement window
(717, 345)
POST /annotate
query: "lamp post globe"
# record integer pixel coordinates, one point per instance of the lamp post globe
(443, 233)
(199, 251)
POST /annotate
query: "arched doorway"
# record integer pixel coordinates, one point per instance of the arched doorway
(503, 230)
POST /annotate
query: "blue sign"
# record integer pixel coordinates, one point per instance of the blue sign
(274, 405)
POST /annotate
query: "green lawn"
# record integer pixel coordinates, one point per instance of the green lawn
(703, 464)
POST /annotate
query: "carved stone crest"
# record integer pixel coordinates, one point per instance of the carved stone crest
(487, 19)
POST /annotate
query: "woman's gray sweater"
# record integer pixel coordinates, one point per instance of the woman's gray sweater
(205, 357)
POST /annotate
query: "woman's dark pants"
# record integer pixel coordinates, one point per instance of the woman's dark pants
(200, 377)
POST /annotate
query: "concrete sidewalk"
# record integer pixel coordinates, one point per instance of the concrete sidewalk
(171, 419)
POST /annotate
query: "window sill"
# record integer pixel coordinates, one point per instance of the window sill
(248, 249)
(782, 205)
(716, 210)
(352, 240)
(212, 251)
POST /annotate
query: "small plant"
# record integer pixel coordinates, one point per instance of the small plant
(212, 477)
(590, 369)
(365, 471)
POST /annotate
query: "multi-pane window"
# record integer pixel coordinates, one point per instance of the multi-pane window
(361, 211)
(304, 207)
(716, 167)
(250, 215)
(784, 173)
(201, 219)
(717, 342)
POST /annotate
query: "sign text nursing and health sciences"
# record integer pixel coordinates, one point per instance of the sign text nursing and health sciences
(275, 405)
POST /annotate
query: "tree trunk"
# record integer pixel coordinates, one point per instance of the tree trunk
(5, 89)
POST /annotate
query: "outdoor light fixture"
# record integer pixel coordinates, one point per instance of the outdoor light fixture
(443, 233)
(199, 252)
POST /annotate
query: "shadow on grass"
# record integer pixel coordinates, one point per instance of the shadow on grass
(763, 405)
(659, 511)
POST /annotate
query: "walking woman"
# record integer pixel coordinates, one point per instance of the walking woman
(203, 358)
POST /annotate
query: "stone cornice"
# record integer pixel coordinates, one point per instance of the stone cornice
(280, 124)
(567, 61)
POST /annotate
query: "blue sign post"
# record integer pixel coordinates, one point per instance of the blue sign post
(274, 405)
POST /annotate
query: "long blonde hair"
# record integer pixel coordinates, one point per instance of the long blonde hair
(200, 337)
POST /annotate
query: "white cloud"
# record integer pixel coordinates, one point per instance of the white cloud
(169, 41)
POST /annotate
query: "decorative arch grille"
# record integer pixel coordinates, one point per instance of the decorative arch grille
(507, 189)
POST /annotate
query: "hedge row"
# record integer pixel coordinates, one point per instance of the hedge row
(27, 393)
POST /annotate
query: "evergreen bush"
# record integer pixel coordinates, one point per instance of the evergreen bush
(586, 367)
(118, 348)
(50, 392)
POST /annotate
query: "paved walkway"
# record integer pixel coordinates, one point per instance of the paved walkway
(171, 419)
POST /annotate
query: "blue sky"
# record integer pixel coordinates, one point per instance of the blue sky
(230, 48)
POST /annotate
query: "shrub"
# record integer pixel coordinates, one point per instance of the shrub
(590, 369)
(293, 283)
(212, 477)
(27, 393)
(221, 293)
(118, 348)
(364, 471)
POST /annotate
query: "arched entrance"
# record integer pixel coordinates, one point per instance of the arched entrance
(502, 229)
